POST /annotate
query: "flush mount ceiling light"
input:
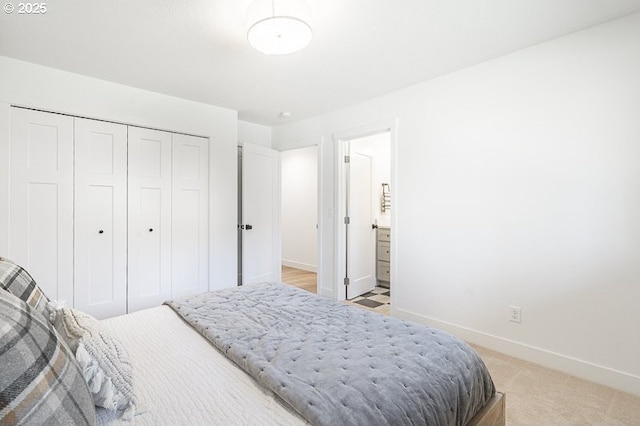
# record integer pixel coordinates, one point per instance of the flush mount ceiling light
(278, 27)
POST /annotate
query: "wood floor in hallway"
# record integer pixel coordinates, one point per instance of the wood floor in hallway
(299, 278)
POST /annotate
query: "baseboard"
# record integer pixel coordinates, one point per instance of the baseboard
(300, 265)
(586, 370)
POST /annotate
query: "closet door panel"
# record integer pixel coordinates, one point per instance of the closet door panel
(149, 262)
(149, 218)
(190, 215)
(100, 218)
(41, 200)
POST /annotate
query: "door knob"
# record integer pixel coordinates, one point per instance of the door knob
(100, 231)
(150, 229)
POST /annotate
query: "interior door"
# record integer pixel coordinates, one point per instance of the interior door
(100, 235)
(360, 234)
(41, 201)
(260, 225)
(149, 199)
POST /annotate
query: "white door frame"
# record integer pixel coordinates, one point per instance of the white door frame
(320, 208)
(339, 250)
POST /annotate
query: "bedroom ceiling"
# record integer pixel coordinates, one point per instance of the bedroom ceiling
(197, 49)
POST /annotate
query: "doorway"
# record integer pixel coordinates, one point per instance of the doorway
(299, 217)
(366, 204)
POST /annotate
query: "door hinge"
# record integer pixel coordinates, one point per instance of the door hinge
(346, 280)
(347, 220)
(347, 158)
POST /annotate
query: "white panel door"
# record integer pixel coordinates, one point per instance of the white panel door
(149, 202)
(189, 217)
(360, 234)
(260, 215)
(100, 264)
(41, 201)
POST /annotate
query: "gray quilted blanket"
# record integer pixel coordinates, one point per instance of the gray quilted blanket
(340, 365)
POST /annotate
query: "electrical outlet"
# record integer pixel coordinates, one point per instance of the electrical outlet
(515, 314)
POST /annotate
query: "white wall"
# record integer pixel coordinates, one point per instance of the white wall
(517, 182)
(299, 181)
(35, 86)
(378, 147)
(253, 133)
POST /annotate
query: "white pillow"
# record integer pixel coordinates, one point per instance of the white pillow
(106, 369)
(103, 360)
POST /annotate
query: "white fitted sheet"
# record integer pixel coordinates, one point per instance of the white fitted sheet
(180, 378)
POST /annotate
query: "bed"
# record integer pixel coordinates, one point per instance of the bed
(271, 354)
(280, 320)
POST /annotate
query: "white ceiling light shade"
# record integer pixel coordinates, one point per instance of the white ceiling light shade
(278, 27)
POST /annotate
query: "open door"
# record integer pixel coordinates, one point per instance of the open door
(360, 234)
(260, 218)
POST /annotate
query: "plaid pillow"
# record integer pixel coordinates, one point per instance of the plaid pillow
(17, 281)
(40, 381)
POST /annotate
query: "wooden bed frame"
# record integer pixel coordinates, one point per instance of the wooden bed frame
(492, 414)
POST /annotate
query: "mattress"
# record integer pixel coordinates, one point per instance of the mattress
(185, 380)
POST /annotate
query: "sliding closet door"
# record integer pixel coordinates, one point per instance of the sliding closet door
(41, 201)
(100, 265)
(189, 244)
(149, 196)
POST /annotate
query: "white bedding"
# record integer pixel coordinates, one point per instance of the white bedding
(180, 378)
